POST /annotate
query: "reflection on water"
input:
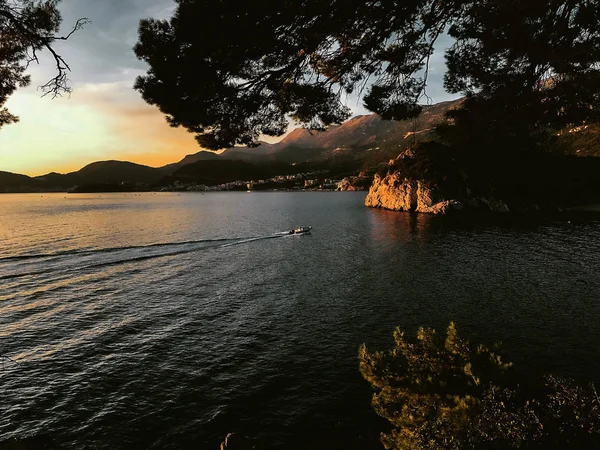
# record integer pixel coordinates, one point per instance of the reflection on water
(400, 227)
(169, 320)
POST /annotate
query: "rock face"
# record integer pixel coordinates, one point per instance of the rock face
(397, 193)
(352, 184)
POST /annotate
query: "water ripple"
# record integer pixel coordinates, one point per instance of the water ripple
(130, 328)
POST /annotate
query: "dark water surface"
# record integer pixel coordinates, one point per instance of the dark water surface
(166, 321)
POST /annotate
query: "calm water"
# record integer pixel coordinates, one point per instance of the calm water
(169, 320)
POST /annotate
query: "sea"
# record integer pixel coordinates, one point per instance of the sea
(169, 320)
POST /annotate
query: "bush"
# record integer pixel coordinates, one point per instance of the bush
(448, 394)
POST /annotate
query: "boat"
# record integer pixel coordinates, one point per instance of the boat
(300, 230)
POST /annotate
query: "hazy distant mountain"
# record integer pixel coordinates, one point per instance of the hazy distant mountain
(213, 172)
(101, 172)
(189, 159)
(10, 180)
(118, 172)
(57, 179)
(221, 171)
(113, 172)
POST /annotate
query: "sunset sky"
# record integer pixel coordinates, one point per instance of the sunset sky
(105, 118)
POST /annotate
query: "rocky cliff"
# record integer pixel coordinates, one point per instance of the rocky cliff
(400, 191)
(396, 193)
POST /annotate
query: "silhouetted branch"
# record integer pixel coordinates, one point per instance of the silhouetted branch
(82, 22)
(59, 84)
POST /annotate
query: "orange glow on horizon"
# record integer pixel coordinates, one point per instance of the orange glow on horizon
(99, 123)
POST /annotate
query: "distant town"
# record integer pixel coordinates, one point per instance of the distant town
(310, 181)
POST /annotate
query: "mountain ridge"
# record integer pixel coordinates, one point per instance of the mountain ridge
(299, 145)
(362, 142)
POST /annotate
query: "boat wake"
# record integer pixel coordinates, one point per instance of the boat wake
(89, 251)
(258, 238)
(89, 259)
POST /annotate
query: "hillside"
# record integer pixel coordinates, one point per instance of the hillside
(57, 180)
(213, 172)
(361, 143)
(117, 172)
(13, 181)
(203, 155)
(362, 137)
(103, 172)
(370, 130)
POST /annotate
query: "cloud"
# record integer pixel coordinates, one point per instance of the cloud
(103, 50)
(99, 122)
(104, 118)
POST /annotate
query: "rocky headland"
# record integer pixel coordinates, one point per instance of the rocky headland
(397, 193)
(432, 180)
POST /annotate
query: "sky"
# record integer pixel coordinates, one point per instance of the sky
(104, 118)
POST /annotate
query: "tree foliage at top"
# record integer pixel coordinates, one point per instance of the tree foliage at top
(447, 394)
(230, 71)
(26, 28)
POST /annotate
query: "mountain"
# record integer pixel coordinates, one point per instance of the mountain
(103, 172)
(361, 143)
(353, 139)
(190, 159)
(97, 173)
(350, 140)
(216, 172)
(213, 172)
(118, 172)
(14, 181)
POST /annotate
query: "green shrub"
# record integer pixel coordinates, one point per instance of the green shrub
(449, 394)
